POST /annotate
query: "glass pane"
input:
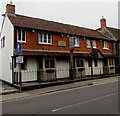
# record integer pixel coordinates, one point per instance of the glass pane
(40, 64)
(49, 38)
(46, 63)
(52, 64)
(19, 35)
(82, 63)
(45, 38)
(23, 35)
(41, 37)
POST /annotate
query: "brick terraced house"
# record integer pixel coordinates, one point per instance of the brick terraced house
(112, 34)
(46, 51)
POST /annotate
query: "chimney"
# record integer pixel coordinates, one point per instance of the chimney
(10, 8)
(103, 22)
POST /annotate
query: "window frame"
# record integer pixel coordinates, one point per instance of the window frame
(113, 62)
(43, 64)
(105, 45)
(41, 37)
(88, 43)
(76, 42)
(80, 63)
(94, 44)
(21, 35)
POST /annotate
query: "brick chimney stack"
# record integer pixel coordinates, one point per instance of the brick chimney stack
(10, 8)
(103, 22)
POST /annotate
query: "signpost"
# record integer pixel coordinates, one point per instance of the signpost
(19, 60)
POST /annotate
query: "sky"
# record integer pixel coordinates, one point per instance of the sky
(83, 13)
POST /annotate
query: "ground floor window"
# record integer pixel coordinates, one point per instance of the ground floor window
(46, 64)
(79, 63)
(111, 62)
(24, 64)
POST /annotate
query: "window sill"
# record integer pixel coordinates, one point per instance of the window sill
(95, 47)
(88, 47)
(45, 44)
(106, 49)
(22, 42)
(76, 46)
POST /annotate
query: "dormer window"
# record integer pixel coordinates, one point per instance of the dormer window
(105, 45)
(45, 38)
(94, 44)
(21, 36)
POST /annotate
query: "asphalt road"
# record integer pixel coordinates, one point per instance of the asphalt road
(94, 99)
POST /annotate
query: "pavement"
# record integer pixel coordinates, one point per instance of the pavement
(9, 93)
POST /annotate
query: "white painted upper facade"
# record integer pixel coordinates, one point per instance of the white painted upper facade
(7, 51)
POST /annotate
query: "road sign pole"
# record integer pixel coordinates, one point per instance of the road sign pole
(20, 79)
(71, 65)
(71, 46)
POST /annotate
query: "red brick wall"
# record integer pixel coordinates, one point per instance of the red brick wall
(32, 43)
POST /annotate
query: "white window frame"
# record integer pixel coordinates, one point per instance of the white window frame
(105, 45)
(88, 43)
(79, 61)
(76, 42)
(94, 44)
(21, 40)
(41, 34)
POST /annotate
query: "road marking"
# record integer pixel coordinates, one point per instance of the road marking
(87, 101)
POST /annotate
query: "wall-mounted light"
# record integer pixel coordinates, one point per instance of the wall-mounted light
(33, 30)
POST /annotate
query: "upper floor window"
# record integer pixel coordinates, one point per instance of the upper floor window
(88, 43)
(94, 44)
(79, 63)
(76, 42)
(105, 45)
(45, 38)
(21, 36)
(3, 42)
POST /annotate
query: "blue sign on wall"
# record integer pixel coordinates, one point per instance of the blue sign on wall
(19, 48)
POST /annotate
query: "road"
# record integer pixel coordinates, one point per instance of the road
(94, 99)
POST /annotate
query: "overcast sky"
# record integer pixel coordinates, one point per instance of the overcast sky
(76, 12)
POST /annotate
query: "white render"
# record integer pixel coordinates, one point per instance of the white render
(99, 69)
(7, 51)
(96, 70)
(62, 67)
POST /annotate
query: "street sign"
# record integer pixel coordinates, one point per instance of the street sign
(19, 48)
(19, 59)
(71, 42)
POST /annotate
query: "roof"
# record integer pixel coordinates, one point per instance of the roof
(110, 32)
(115, 32)
(40, 24)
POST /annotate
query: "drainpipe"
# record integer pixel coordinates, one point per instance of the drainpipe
(71, 65)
